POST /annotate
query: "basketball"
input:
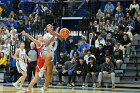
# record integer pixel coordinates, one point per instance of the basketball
(64, 32)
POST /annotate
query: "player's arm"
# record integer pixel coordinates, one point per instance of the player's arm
(50, 30)
(50, 40)
(27, 58)
(30, 37)
(16, 55)
(58, 35)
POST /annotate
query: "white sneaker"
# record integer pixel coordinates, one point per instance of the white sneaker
(94, 85)
(42, 70)
(43, 89)
(83, 85)
(16, 85)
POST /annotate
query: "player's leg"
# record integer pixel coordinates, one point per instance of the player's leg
(49, 65)
(47, 57)
(24, 75)
(34, 81)
(48, 76)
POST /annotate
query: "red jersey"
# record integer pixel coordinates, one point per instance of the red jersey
(40, 60)
(39, 50)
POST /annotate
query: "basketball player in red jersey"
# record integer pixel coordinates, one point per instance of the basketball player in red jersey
(40, 61)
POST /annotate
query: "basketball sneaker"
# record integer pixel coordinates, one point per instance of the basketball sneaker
(42, 70)
(16, 85)
(43, 89)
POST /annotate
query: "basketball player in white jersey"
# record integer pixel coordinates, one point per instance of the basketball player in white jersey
(21, 64)
(48, 54)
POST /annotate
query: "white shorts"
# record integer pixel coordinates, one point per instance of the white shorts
(21, 67)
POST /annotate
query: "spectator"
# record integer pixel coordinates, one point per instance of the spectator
(103, 34)
(20, 15)
(134, 7)
(3, 60)
(14, 72)
(109, 7)
(119, 6)
(1, 48)
(32, 54)
(99, 14)
(72, 52)
(91, 72)
(5, 12)
(108, 46)
(6, 48)
(126, 43)
(84, 52)
(137, 23)
(86, 57)
(76, 55)
(99, 54)
(29, 27)
(91, 40)
(30, 18)
(14, 23)
(12, 15)
(68, 70)
(131, 24)
(99, 40)
(70, 45)
(49, 17)
(84, 44)
(119, 12)
(108, 27)
(13, 34)
(61, 61)
(80, 70)
(118, 55)
(6, 31)
(20, 28)
(111, 39)
(128, 33)
(108, 17)
(36, 7)
(107, 70)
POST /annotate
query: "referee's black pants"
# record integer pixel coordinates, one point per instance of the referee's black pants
(31, 69)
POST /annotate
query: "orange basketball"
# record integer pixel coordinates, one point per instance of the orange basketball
(64, 32)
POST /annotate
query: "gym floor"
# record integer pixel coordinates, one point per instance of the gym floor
(8, 88)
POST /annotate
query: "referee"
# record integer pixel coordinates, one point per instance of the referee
(32, 54)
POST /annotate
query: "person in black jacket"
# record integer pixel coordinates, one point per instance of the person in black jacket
(99, 54)
(91, 71)
(118, 55)
(61, 61)
(80, 70)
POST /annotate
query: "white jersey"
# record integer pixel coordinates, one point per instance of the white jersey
(52, 46)
(22, 54)
(20, 64)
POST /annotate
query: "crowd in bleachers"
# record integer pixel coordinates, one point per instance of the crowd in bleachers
(95, 55)
(108, 40)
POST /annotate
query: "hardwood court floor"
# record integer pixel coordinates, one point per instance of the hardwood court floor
(53, 89)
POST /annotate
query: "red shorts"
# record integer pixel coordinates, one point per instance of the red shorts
(39, 66)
